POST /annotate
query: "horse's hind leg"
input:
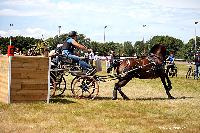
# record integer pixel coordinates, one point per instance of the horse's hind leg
(122, 82)
(167, 87)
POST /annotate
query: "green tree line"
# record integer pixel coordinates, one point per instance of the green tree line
(127, 48)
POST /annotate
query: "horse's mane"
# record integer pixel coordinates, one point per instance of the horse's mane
(158, 48)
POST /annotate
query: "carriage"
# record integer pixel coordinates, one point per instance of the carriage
(82, 85)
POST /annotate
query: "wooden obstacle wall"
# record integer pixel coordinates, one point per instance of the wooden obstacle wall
(28, 79)
(4, 65)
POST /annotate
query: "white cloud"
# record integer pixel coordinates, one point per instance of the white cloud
(29, 32)
(13, 12)
(193, 4)
(11, 32)
(3, 33)
(37, 33)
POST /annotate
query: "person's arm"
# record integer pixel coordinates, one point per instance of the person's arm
(76, 44)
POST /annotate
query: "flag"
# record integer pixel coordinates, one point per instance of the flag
(195, 22)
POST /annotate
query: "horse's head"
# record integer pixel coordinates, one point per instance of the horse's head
(160, 51)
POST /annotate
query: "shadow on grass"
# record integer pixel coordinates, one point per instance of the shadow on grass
(143, 99)
(61, 99)
(160, 98)
(103, 98)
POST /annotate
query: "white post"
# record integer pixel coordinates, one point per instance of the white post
(143, 32)
(59, 27)
(195, 39)
(104, 37)
(9, 77)
(10, 34)
(144, 51)
(49, 91)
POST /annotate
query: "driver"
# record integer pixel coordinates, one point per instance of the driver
(171, 59)
(68, 50)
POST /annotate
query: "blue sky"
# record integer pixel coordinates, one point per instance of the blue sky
(124, 18)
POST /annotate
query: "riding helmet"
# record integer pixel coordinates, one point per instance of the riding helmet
(73, 33)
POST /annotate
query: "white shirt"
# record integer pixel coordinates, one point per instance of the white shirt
(91, 56)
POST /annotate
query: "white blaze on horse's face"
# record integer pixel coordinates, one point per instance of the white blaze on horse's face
(128, 62)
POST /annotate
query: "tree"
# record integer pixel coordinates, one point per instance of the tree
(189, 48)
(24, 43)
(171, 43)
(128, 49)
(139, 48)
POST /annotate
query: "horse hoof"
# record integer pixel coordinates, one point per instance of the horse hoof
(126, 98)
(114, 98)
(171, 97)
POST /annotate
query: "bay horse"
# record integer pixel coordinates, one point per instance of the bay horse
(148, 67)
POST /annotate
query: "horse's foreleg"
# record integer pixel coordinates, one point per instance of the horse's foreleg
(122, 94)
(118, 85)
(167, 87)
(169, 84)
(114, 93)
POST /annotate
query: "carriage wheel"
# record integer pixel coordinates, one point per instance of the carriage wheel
(84, 87)
(58, 88)
(73, 83)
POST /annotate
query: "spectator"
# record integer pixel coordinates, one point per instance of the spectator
(17, 51)
(112, 60)
(197, 64)
(171, 64)
(97, 62)
(107, 63)
(91, 57)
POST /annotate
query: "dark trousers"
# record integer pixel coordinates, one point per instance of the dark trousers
(197, 69)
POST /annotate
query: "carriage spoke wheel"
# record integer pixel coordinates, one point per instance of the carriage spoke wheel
(58, 87)
(84, 87)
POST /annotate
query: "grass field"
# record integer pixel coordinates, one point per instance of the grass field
(148, 111)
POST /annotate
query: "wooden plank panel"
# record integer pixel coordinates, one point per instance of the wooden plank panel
(16, 64)
(4, 91)
(28, 101)
(35, 75)
(26, 61)
(16, 75)
(29, 87)
(3, 94)
(4, 79)
(4, 100)
(28, 98)
(29, 81)
(35, 86)
(29, 92)
(27, 70)
(28, 75)
(16, 86)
